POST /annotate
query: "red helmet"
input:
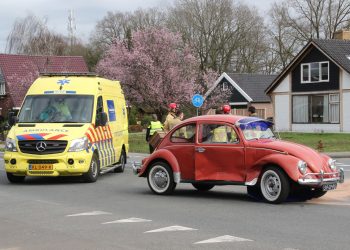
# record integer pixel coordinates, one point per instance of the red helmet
(226, 109)
(172, 105)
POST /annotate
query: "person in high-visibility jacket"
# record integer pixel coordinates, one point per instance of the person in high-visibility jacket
(171, 116)
(220, 133)
(154, 126)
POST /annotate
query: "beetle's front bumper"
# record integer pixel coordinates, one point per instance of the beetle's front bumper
(318, 179)
(136, 167)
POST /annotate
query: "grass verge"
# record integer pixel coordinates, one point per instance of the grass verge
(326, 142)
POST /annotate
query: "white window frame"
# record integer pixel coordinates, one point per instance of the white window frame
(330, 103)
(224, 86)
(309, 72)
(2, 89)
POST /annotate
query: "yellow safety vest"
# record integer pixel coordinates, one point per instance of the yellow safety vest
(155, 126)
(220, 134)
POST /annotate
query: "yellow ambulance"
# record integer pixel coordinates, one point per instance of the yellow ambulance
(68, 125)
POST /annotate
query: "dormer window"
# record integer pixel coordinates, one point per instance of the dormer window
(224, 86)
(315, 72)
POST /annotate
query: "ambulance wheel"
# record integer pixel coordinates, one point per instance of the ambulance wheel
(15, 178)
(160, 178)
(94, 170)
(122, 162)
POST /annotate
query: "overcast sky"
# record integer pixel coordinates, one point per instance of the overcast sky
(86, 12)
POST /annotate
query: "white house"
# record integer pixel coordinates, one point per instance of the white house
(312, 94)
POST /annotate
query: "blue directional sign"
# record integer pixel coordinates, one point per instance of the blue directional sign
(197, 100)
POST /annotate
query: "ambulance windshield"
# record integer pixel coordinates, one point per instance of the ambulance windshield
(56, 109)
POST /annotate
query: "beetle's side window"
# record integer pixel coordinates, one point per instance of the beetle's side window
(218, 133)
(184, 134)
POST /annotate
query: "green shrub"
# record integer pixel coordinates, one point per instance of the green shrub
(135, 128)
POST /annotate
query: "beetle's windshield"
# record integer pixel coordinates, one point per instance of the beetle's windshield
(257, 130)
(56, 108)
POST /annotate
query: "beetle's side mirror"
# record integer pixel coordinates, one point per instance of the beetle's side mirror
(101, 119)
(12, 118)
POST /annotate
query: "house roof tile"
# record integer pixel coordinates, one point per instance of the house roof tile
(254, 84)
(338, 50)
(26, 68)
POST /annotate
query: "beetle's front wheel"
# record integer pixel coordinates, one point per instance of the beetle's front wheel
(160, 178)
(274, 185)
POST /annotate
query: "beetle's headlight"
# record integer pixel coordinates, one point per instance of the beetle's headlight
(78, 145)
(331, 164)
(302, 166)
(10, 145)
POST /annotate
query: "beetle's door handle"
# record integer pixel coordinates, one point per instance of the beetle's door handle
(200, 150)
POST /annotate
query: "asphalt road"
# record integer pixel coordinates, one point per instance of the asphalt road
(120, 212)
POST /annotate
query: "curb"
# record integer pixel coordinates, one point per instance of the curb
(338, 154)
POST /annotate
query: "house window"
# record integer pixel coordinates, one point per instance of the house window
(2, 84)
(2, 88)
(224, 86)
(316, 108)
(315, 72)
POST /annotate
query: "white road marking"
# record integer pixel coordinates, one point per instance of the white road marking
(48, 202)
(342, 165)
(224, 238)
(129, 220)
(89, 213)
(171, 229)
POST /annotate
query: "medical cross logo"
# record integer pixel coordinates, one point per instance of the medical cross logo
(63, 82)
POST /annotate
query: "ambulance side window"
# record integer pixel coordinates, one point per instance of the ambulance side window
(99, 108)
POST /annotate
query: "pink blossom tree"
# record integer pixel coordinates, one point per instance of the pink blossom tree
(155, 68)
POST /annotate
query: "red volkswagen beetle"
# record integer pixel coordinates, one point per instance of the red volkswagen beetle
(234, 150)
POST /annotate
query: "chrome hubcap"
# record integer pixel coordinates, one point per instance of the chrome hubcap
(271, 185)
(94, 169)
(159, 179)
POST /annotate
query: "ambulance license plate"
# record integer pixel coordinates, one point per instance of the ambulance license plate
(40, 166)
(327, 187)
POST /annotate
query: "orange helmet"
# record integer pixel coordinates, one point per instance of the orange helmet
(226, 109)
(172, 105)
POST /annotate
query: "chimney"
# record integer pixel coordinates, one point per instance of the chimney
(342, 35)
